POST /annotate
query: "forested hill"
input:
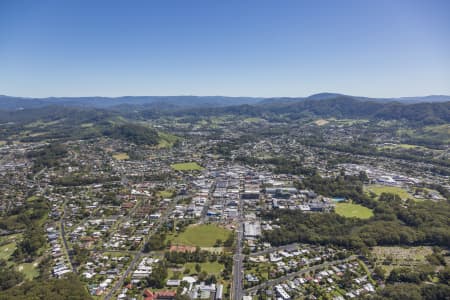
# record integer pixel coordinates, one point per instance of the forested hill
(338, 107)
(68, 123)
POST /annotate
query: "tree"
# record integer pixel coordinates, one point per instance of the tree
(198, 268)
(202, 276)
(55, 289)
(229, 241)
(380, 272)
(157, 279)
(347, 279)
(402, 292)
(9, 277)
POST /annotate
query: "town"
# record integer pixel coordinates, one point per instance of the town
(192, 217)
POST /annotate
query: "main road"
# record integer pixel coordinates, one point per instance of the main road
(238, 271)
(63, 236)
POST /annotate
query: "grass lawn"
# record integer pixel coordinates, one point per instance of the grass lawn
(121, 156)
(7, 250)
(165, 194)
(253, 120)
(212, 268)
(2, 143)
(349, 122)
(32, 198)
(402, 146)
(116, 254)
(350, 210)
(209, 267)
(167, 140)
(201, 235)
(379, 189)
(444, 129)
(29, 269)
(190, 166)
(261, 269)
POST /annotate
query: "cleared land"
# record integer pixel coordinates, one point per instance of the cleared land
(400, 146)
(201, 236)
(7, 250)
(190, 166)
(348, 122)
(390, 257)
(379, 189)
(253, 120)
(350, 210)
(166, 140)
(321, 122)
(121, 156)
(29, 269)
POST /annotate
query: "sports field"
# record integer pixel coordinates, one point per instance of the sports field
(121, 156)
(350, 210)
(189, 166)
(201, 236)
(379, 189)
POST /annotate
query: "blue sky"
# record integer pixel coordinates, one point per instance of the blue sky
(233, 48)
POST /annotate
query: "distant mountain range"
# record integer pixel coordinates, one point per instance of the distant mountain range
(433, 109)
(326, 96)
(17, 103)
(182, 102)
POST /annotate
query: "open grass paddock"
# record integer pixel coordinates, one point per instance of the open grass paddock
(350, 210)
(201, 236)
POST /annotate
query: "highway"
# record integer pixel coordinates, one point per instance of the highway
(238, 270)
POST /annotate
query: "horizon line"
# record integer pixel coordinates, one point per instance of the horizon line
(191, 95)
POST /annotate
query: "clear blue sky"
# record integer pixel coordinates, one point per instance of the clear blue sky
(234, 48)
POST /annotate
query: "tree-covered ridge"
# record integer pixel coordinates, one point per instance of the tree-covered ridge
(133, 133)
(339, 107)
(57, 123)
(47, 157)
(55, 289)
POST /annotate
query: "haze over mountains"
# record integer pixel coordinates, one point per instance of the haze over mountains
(19, 103)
